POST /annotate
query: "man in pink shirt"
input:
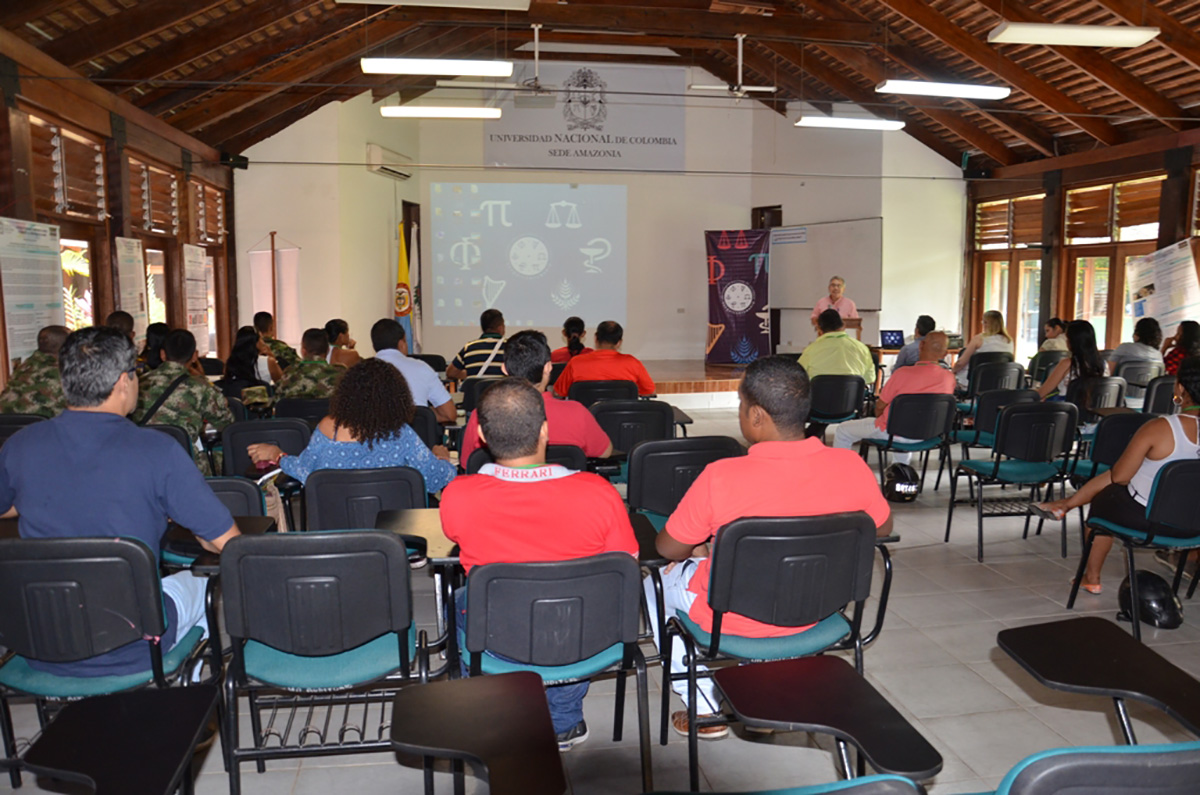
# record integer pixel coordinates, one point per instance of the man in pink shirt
(927, 376)
(835, 300)
(527, 356)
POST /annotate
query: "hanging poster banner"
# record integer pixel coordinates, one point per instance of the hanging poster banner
(1163, 285)
(31, 276)
(739, 321)
(195, 294)
(131, 286)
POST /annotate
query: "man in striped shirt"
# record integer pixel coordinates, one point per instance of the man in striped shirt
(484, 356)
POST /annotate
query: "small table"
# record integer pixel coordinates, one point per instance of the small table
(152, 752)
(1094, 656)
(681, 419)
(425, 523)
(825, 694)
(208, 564)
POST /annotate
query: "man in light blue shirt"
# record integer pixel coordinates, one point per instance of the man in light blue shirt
(387, 337)
(910, 353)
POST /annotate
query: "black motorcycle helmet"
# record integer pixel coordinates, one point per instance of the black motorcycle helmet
(1157, 603)
(901, 483)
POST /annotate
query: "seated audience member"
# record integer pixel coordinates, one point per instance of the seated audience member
(1055, 330)
(501, 514)
(91, 472)
(152, 352)
(835, 352)
(341, 344)
(784, 474)
(388, 339)
(285, 355)
(122, 322)
(1147, 338)
(910, 353)
(993, 339)
(244, 369)
(367, 427)
(527, 356)
(836, 300)
(312, 377)
(178, 393)
(35, 386)
(606, 363)
(572, 334)
(1120, 495)
(1085, 361)
(925, 377)
(481, 358)
(1185, 343)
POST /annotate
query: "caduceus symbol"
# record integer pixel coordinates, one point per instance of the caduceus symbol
(465, 253)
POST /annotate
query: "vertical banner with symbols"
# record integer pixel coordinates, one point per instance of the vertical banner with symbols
(739, 324)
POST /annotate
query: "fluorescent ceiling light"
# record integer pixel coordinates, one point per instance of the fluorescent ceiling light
(933, 89)
(849, 123)
(437, 112)
(1071, 35)
(436, 66)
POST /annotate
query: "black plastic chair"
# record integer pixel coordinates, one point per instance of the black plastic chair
(1030, 439)
(237, 408)
(241, 496)
(338, 499)
(628, 422)
(471, 389)
(926, 417)
(212, 365)
(784, 571)
(1167, 769)
(69, 599)
(660, 472)
(289, 434)
(425, 423)
(1160, 396)
(438, 363)
(1100, 392)
(836, 398)
(589, 392)
(991, 375)
(311, 410)
(326, 618)
(1041, 364)
(11, 423)
(568, 620)
(863, 785)
(1138, 376)
(178, 434)
(567, 455)
(987, 411)
(555, 371)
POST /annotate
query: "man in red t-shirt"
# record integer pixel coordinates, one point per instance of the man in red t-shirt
(783, 474)
(926, 377)
(527, 355)
(606, 363)
(521, 509)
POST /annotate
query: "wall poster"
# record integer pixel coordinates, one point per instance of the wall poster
(31, 277)
(131, 284)
(195, 294)
(739, 319)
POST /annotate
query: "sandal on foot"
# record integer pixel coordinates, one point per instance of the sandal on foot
(1092, 589)
(1037, 510)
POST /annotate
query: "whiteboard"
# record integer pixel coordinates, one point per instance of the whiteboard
(805, 257)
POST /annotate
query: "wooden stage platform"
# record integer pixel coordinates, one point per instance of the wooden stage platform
(674, 377)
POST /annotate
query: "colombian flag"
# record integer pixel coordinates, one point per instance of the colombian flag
(404, 298)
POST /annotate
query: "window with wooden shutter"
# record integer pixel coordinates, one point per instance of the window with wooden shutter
(68, 172)
(1137, 208)
(992, 225)
(153, 198)
(1089, 217)
(1027, 221)
(139, 175)
(210, 213)
(1010, 223)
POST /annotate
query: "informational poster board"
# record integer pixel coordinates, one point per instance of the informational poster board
(739, 321)
(195, 294)
(131, 284)
(1163, 285)
(31, 276)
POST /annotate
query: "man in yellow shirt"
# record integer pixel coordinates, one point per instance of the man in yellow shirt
(836, 353)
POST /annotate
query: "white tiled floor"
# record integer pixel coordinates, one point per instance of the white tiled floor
(936, 660)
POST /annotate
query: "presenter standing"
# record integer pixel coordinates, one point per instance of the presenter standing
(835, 300)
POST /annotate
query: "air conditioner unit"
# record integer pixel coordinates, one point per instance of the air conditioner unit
(388, 163)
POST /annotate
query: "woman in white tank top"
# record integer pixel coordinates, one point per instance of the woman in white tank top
(993, 338)
(1121, 494)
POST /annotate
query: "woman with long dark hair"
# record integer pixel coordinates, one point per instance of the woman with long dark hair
(1085, 360)
(1185, 343)
(151, 356)
(573, 334)
(243, 368)
(341, 344)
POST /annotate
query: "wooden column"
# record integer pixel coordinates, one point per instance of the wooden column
(1052, 249)
(1174, 223)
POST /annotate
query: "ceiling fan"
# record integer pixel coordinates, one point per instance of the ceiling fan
(532, 87)
(738, 89)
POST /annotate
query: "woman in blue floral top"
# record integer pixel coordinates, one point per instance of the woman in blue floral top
(367, 427)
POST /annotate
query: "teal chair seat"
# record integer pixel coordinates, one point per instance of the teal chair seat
(862, 783)
(833, 420)
(1137, 535)
(1083, 469)
(906, 447)
(551, 673)
(658, 520)
(367, 663)
(820, 636)
(1012, 470)
(979, 438)
(965, 408)
(18, 675)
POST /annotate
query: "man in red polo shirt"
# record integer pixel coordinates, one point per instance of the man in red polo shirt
(927, 376)
(527, 356)
(521, 509)
(784, 474)
(606, 363)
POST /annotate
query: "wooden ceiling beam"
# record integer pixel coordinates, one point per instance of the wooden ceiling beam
(124, 27)
(205, 40)
(268, 128)
(622, 40)
(19, 12)
(1175, 36)
(1099, 67)
(937, 25)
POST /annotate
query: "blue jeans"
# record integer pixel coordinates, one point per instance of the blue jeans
(565, 701)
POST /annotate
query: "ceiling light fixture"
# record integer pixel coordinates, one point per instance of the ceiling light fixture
(934, 89)
(1051, 34)
(437, 112)
(436, 66)
(849, 123)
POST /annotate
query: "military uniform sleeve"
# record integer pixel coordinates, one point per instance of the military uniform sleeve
(216, 408)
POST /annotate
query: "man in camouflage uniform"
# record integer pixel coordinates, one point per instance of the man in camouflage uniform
(285, 355)
(35, 386)
(313, 377)
(191, 404)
